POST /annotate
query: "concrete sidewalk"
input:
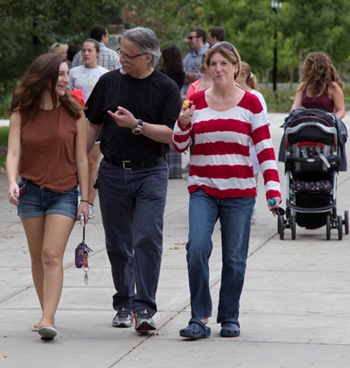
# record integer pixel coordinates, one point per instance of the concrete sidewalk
(295, 306)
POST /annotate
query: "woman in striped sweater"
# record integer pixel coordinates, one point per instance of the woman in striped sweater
(221, 122)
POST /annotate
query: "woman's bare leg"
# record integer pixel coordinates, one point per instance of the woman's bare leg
(34, 229)
(56, 234)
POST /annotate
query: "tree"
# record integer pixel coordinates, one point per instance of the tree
(170, 20)
(29, 27)
(248, 25)
(318, 25)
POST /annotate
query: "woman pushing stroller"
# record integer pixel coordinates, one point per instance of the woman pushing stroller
(321, 86)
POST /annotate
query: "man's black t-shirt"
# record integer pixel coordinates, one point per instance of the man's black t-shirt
(155, 99)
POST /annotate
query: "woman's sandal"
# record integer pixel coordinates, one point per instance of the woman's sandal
(196, 329)
(36, 327)
(47, 332)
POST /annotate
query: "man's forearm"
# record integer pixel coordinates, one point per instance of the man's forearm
(190, 77)
(159, 133)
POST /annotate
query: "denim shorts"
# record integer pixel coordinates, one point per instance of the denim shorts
(35, 201)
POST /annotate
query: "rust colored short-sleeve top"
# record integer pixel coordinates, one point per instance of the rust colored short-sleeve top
(48, 149)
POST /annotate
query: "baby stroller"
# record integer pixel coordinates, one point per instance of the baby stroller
(313, 149)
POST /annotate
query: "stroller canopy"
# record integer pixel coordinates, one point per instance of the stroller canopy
(320, 116)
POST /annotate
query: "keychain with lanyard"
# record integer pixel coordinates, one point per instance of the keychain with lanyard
(82, 254)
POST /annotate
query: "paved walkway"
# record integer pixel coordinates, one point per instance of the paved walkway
(295, 307)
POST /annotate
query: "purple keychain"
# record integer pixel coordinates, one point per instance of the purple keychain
(82, 253)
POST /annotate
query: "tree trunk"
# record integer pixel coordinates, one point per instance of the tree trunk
(300, 57)
(291, 75)
(267, 79)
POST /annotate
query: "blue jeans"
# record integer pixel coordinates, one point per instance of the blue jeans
(36, 201)
(132, 208)
(235, 216)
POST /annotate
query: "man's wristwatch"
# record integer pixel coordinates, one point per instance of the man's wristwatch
(138, 129)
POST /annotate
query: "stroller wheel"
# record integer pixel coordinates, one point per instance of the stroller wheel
(328, 227)
(293, 226)
(280, 226)
(346, 221)
(340, 228)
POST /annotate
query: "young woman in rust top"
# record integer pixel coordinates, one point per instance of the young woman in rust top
(321, 86)
(50, 128)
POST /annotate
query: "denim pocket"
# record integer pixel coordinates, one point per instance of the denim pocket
(22, 183)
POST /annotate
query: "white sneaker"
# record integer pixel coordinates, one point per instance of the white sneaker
(91, 211)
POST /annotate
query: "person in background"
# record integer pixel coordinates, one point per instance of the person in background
(48, 137)
(321, 86)
(247, 81)
(107, 58)
(137, 106)
(85, 77)
(72, 50)
(59, 48)
(172, 64)
(203, 83)
(173, 68)
(215, 35)
(193, 60)
(221, 122)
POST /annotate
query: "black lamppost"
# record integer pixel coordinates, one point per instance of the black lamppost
(274, 6)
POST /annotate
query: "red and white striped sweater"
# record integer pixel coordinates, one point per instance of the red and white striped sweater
(220, 161)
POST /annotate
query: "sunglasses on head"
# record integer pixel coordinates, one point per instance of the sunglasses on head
(225, 45)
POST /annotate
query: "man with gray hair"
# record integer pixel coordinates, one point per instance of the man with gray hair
(137, 106)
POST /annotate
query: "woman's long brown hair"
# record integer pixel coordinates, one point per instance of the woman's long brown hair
(319, 71)
(42, 76)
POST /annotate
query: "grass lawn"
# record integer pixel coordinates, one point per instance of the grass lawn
(4, 133)
(2, 161)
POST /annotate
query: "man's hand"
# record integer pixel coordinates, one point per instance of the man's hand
(123, 118)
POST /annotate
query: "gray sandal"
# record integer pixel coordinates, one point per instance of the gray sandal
(196, 329)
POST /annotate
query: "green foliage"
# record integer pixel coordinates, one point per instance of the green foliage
(29, 27)
(170, 20)
(5, 97)
(2, 161)
(347, 95)
(248, 25)
(317, 25)
(281, 104)
(4, 135)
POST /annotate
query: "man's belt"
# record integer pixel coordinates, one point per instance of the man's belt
(131, 165)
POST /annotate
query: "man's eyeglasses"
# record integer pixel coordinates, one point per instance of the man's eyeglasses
(191, 37)
(127, 57)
